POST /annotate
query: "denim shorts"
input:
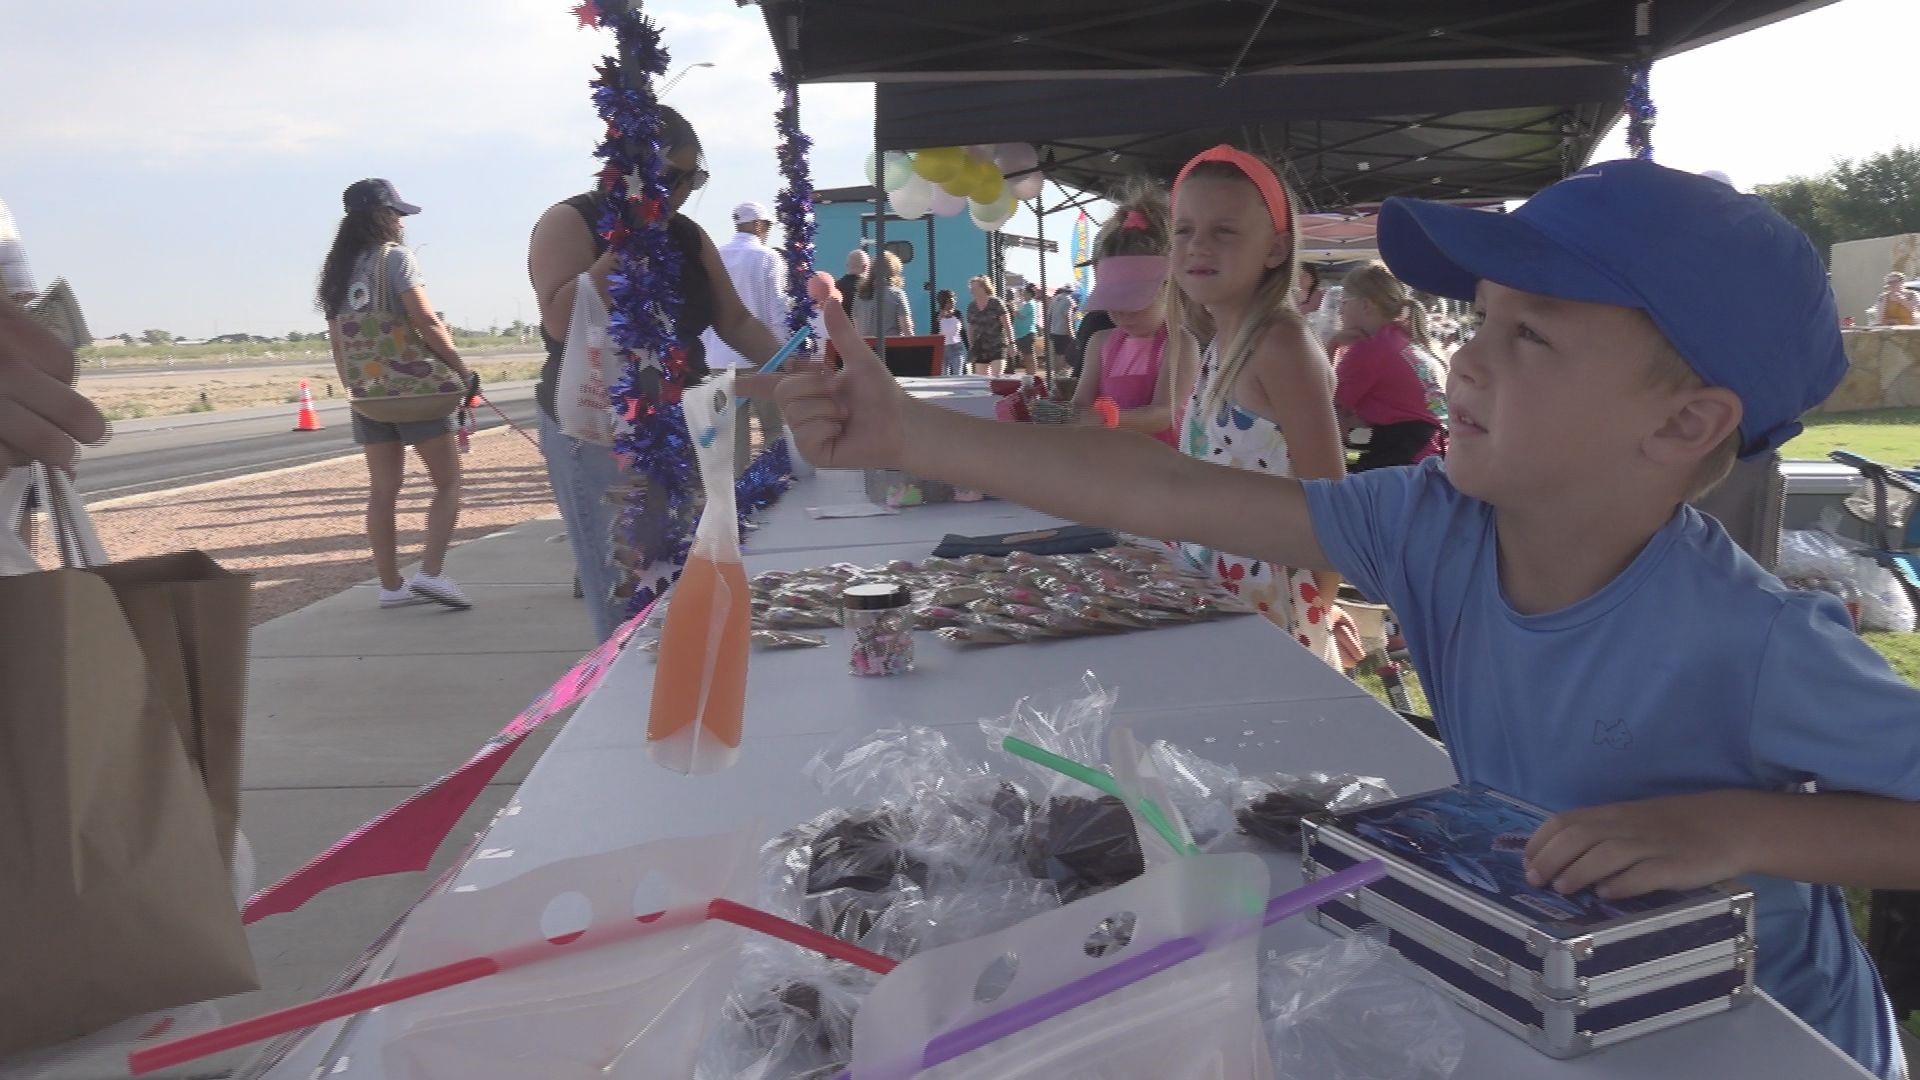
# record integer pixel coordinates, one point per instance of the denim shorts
(367, 432)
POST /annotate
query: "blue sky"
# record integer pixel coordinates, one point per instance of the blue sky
(182, 164)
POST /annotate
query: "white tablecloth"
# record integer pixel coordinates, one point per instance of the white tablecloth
(1236, 689)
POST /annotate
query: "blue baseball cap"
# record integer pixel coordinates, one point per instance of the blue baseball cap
(1737, 290)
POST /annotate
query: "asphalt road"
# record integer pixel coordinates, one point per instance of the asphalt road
(173, 451)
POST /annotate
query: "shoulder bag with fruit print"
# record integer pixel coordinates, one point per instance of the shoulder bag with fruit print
(388, 372)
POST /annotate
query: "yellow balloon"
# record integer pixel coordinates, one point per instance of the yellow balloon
(959, 185)
(989, 186)
(940, 164)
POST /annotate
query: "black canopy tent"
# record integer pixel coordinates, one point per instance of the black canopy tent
(1462, 99)
(992, 40)
(1348, 138)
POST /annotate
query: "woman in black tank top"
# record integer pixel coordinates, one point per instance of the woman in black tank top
(565, 244)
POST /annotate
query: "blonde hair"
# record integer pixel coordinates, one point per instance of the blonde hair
(1668, 370)
(1272, 302)
(985, 283)
(889, 265)
(1376, 284)
(1149, 200)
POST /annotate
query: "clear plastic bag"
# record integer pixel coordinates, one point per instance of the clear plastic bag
(894, 764)
(628, 1006)
(1203, 791)
(700, 682)
(1069, 722)
(1350, 1011)
(790, 1015)
(1809, 555)
(1270, 807)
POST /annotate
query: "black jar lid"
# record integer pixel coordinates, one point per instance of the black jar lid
(875, 596)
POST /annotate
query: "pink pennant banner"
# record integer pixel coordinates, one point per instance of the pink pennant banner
(405, 838)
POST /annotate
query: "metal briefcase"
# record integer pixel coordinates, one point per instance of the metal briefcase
(1568, 974)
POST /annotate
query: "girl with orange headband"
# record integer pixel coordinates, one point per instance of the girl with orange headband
(1264, 397)
(1143, 365)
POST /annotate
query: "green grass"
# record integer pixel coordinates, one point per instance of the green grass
(1891, 436)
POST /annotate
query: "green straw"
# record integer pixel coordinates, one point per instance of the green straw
(1101, 782)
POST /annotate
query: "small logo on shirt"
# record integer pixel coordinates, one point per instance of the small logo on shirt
(1614, 733)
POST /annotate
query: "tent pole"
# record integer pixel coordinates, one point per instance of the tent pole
(1046, 339)
(878, 287)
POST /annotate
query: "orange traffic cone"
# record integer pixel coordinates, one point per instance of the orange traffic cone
(309, 420)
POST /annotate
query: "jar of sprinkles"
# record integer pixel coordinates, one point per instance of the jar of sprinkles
(881, 626)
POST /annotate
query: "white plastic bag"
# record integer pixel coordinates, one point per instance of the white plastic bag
(588, 368)
(1192, 1019)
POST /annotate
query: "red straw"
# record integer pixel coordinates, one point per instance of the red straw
(805, 937)
(322, 1010)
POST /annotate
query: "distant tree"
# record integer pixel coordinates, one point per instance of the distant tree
(156, 337)
(1798, 200)
(1876, 196)
(1855, 200)
(295, 337)
(126, 339)
(493, 331)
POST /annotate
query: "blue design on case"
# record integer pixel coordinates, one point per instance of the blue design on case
(1477, 838)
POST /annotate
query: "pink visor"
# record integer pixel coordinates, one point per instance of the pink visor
(1127, 282)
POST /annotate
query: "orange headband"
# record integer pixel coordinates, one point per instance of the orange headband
(1258, 172)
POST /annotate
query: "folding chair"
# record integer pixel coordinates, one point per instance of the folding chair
(1748, 504)
(1893, 540)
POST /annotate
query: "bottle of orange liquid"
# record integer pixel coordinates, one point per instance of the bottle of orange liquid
(700, 680)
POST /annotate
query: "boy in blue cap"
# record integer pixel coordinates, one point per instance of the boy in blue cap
(1588, 641)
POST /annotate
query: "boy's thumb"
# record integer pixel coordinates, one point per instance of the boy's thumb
(854, 351)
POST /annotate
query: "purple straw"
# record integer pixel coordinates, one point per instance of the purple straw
(986, 1030)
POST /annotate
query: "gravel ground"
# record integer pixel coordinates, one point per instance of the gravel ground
(303, 532)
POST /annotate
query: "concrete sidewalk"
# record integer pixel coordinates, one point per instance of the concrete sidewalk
(351, 708)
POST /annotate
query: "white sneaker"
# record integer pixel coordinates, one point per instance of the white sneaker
(400, 597)
(441, 590)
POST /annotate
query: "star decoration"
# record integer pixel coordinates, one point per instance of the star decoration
(588, 13)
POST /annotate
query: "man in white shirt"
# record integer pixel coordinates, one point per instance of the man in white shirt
(756, 270)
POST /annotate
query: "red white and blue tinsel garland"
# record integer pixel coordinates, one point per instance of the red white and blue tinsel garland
(1640, 111)
(654, 527)
(794, 205)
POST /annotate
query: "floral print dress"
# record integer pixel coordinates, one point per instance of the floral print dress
(1236, 437)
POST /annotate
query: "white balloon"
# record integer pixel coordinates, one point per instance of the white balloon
(947, 205)
(1020, 163)
(913, 199)
(1016, 157)
(983, 151)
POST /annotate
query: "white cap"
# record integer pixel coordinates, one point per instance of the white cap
(749, 212)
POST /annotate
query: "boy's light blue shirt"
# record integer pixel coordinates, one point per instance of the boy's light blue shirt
(1694, 670)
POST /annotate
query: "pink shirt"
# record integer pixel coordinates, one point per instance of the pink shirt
(1130, 372)
(1386, 379)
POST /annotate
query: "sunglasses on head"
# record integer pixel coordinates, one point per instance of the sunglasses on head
(695, 179)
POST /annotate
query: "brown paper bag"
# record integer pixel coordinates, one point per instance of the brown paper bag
(115, 898)
(190, 617)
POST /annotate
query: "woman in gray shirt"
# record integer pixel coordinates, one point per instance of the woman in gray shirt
(874, 309)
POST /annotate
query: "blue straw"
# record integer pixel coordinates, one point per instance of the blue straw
(792, 346)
